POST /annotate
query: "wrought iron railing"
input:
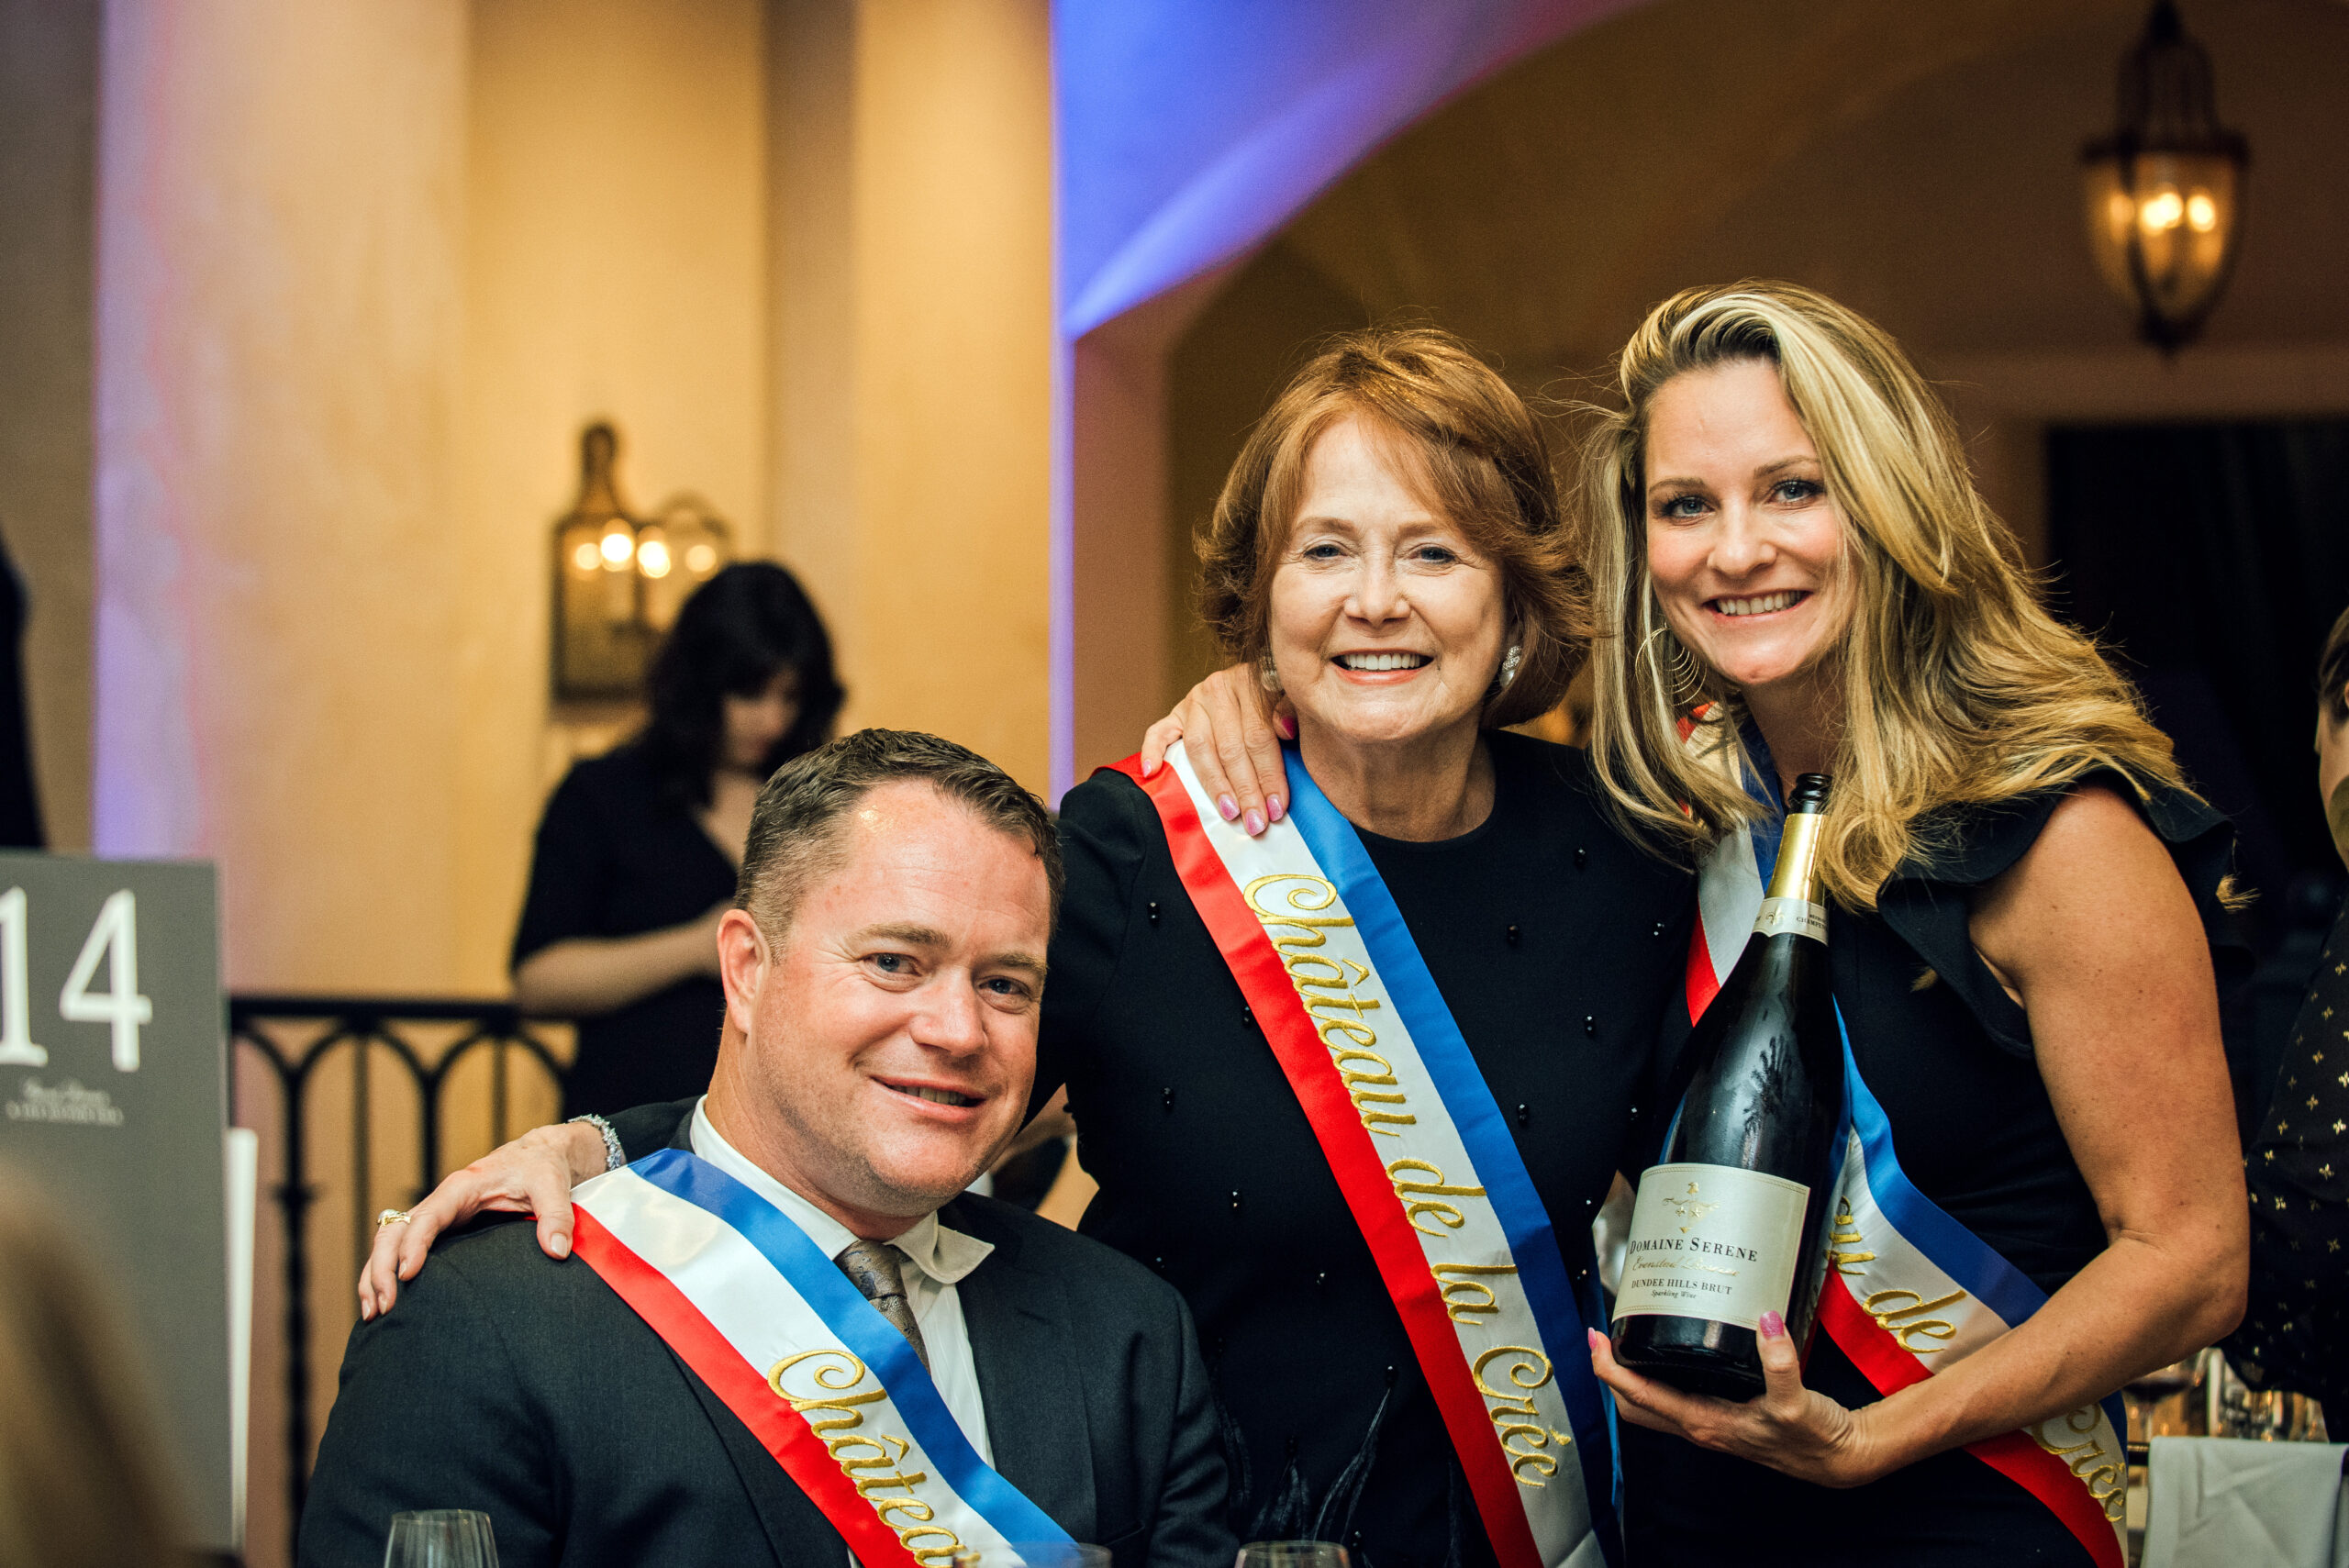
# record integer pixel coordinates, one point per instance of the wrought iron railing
(429, 1041)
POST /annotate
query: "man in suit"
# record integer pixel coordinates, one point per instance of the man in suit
(883, 970)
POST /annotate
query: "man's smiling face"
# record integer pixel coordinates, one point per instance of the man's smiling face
(887, 1040)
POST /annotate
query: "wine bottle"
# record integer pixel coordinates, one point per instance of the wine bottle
(1726, 1227)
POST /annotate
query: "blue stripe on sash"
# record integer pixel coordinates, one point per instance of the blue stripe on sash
(1533, 1240)
(865, 1332)
(1968, 1260)
(1954, 1249)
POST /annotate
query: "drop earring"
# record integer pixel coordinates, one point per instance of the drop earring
(1268, 676)
(1510, 662)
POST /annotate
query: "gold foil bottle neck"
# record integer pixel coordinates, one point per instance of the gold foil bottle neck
(1793, 903)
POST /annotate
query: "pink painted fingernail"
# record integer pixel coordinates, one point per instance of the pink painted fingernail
(1596, 1338)
(1286, 725)
(1256, 823)
(1229, 806)
(1275, 809)
(1148, 769)
(1774, 1326)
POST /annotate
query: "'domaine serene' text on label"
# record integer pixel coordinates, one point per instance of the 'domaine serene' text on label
(1712, 1241)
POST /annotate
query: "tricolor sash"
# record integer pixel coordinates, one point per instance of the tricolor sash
(823, 1381)
(1909, 1290)
(1417, 1142)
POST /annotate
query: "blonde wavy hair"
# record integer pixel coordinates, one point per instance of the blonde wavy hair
(1958, 687)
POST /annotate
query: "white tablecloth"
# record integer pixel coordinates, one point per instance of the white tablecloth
(2232, 1503)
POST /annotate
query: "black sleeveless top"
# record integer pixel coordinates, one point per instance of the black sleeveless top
(615, 857)
(1556, 943)
(1948, 1054)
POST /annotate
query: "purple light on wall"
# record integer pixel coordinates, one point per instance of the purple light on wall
(1190, 130)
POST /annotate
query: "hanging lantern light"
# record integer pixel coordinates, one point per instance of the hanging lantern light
(618, 579)
(2165, 190)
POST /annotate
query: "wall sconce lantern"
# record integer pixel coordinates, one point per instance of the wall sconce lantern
(619, 579)
(2165, 190)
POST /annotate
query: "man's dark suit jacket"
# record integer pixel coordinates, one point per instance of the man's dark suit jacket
(511, 1382)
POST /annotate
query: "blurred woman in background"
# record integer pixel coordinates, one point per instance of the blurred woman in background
(637, 850)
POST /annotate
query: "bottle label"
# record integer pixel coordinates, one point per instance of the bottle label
(1712, 1241)
(1800, 916)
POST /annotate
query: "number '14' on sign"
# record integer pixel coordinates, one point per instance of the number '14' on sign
(114, 937)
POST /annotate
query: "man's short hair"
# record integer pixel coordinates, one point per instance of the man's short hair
(795, 828)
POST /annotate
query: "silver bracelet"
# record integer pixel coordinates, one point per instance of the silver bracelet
(614, 1155)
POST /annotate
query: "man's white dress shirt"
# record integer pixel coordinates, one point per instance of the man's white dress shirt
(940, 1258)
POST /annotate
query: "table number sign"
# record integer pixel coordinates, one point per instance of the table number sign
(114, 1098)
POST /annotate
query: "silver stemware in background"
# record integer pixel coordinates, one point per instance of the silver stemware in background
(2144, 1394)
(1292, 1554)
(1061, 1554)
(2234, 1409)
(441, 1537)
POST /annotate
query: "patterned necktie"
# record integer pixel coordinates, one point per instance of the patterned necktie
(873, 1268)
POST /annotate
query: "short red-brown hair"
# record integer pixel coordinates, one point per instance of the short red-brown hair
(1476, 453)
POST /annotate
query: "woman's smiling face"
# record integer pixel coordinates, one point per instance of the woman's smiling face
(1745, 544)
(1386, 625)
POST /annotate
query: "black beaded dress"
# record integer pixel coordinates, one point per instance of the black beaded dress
(2295, 1333)
(1948, 1054)
(1555, 944)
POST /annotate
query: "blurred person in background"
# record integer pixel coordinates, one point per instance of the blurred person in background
(2295, 1335)
(81, 1485)
(638, 849)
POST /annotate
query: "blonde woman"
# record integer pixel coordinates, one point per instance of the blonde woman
(1784, 539)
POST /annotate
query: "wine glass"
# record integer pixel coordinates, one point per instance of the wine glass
(1293, 1554)
(441, 1537)
(1061, 1554)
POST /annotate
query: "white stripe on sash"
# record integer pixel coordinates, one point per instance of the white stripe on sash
(911, 1463)
(1462, 1236)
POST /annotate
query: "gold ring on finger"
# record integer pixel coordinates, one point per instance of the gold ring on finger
(392, 1216)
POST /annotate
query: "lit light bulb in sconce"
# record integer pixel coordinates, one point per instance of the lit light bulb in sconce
(622, 576)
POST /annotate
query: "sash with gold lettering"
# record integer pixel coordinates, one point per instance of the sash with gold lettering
(1419, 1147)
(1911, 1290)
(824, 1382)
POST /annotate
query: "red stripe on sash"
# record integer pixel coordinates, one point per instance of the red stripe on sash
(1346, 1144)
(2012, 1454)
(780, 1431)
(1704, 982)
